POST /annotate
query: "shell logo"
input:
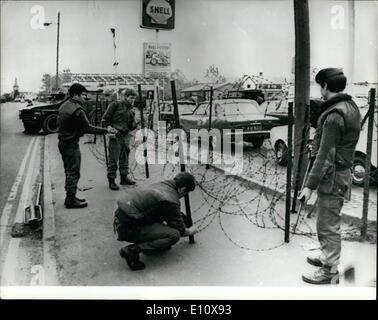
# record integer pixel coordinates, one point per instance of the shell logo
(159, 11)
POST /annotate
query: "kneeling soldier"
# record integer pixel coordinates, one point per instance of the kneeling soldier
(151, 218)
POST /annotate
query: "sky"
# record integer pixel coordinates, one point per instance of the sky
(240, 37)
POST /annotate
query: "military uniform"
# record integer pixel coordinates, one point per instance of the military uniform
(120, 116)
(73, 123)
(150, 218)
(334, 144)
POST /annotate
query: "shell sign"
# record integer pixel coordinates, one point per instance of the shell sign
(158, 14)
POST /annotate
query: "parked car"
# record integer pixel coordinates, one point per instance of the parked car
(280, 109)
(278, 138)
(359, 165)
(44, 116)
(279, 141)
(232, 114)
(185, 107)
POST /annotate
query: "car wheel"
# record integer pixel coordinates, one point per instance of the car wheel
(281, 153)
(50, 124)
(257, 143)
(153, 61)
(32, 127)
(359, 171)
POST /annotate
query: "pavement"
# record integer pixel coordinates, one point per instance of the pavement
(240, 242)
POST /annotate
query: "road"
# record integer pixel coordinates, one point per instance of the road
(20, 172)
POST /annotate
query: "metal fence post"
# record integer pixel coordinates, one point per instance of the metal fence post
(288, 172)
(143, 128)
(182, 164)
(210, 153)
(104, 136)
(365, 206)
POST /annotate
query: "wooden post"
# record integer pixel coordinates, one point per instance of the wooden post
(182, 164)
(298, 179)
(365, 205)
(302, 76)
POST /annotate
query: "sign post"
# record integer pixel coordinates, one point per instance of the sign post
(158, 14)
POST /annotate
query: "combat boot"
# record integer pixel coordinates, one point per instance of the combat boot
(131, 254)
(74, 203)
(81, 200)
(112, 184)
(315, 261)
(125, 180)
(323, 275)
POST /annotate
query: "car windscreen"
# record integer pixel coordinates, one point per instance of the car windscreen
(237, 108)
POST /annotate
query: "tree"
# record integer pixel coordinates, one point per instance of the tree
(213, 75)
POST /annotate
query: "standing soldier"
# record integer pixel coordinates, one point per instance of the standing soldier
(73, 123)
(120, 115)
(334, 144)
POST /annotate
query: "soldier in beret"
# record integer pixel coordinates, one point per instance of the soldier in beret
(73, 123)
(120, 115)
(337, 133)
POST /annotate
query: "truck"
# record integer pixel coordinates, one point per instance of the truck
(44, 116)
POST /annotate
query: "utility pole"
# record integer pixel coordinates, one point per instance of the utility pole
(57, 55)
(351, 42)
(302, 82)
(115, 63)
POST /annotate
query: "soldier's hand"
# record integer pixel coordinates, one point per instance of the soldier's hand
(111, 130)
(191, 231)
(305, 194)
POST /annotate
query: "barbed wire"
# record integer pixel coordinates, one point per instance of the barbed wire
(256, 195)
(221, 195)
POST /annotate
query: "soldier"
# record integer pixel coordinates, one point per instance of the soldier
(151, 218)
(119, 115)
(337, 133)
(73, 123)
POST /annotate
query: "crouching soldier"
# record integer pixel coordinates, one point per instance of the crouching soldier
(151, 218)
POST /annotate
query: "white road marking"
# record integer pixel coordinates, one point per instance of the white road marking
(8, 276)
(4, 221)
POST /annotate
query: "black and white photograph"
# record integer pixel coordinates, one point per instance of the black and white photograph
(189, 150)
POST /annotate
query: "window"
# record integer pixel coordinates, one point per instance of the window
(202, 109)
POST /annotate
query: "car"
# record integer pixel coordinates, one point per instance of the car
(232, 114)
(250, 94)
(279, 108)
(185, 107)
(279, 142)
(278, 138)
(359, 164)
(44, 116)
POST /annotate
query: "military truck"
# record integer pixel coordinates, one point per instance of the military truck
(44, 116)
